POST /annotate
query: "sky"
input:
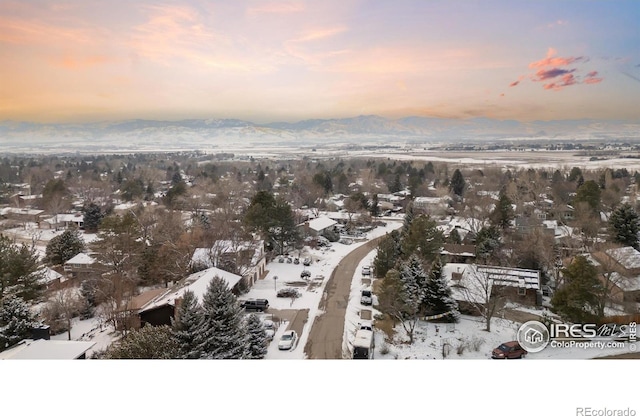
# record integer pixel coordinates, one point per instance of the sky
(264, 61)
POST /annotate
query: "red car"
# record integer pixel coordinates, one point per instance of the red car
(510, 349)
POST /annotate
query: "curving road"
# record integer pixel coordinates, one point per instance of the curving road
(325, 338)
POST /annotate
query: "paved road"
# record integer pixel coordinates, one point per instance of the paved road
(325, 338)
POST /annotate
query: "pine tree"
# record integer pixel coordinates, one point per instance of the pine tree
(438, 297)
(187, 325)
(64, 246)
(92, 217)
(503, 212)
(146, 343)
(578, 299)
(223, 333)
(20, 272)
(625, 225)
(458, 183)
(16, 321)
(408, 219)
(256, 338)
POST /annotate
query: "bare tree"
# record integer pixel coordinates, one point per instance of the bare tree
(67, 303)
(479, 291)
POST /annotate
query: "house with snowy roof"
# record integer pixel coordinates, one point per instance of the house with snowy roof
(43, 349)
(247, 257)
(474, 283)
(159, 309)
(622, 265)
(81, 265)
(317, 226)
(64, 221)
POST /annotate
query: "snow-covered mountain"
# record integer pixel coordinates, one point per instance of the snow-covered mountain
(224, 133)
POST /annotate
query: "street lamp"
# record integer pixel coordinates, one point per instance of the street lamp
(275, 283)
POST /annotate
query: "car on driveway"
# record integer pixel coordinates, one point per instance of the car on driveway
(510, 349)
(307, 261)
(288, 340)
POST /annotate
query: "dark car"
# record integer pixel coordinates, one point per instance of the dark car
(259, 305)
(510, 349)
(305, 274)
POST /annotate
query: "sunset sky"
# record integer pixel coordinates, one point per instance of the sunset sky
(85, 60)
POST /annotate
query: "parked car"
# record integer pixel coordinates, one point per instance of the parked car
(288, 340)
(366, 297)
(307, 261)
(259, 305)
(366, 270)
(510, 349)
(296, 261)
(305, 274)
(269, 329)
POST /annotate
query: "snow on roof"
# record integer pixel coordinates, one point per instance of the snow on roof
(50, 275)
(23, 211)
(627, 284)
(197, 283)
(81, 258)
(471, 281)
(203, 255)
(426, 200)
(628, 257)
(321, 223)
(65, 218)
(42, 349)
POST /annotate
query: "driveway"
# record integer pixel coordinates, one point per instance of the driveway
(326, 336)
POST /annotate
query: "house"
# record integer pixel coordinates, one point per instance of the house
(623, 264)
(318, 225)
(64, 221)
(22, 214)
(80, 266)
(430, 205)
(472, 283)
(458, 253)
(246, 257)
(43, 349)
(160, 309)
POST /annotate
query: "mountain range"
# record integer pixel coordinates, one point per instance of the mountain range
(221, 133)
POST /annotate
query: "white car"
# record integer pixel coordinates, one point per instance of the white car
(269, 328)
(366, 270)
(288, 340)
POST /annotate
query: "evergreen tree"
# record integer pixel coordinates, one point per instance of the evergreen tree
(387, 254)
(186, 326)
(424, 239)
(374, 206)
(488, 242)
(256, 338)
(64, 246)
(16, 321)
(223, 333)
(92, 217)
(625, 225)
(589, 192)
(578, 298)
(438, 297)
(458, 183)
(503, 214)
(147, 343)
(408, 219)
(454, 237)
(20, 272)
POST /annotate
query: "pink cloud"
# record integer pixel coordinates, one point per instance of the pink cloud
(514, 83)
(565, 81)
(545, 74)
(552, 60)
(592, 78)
